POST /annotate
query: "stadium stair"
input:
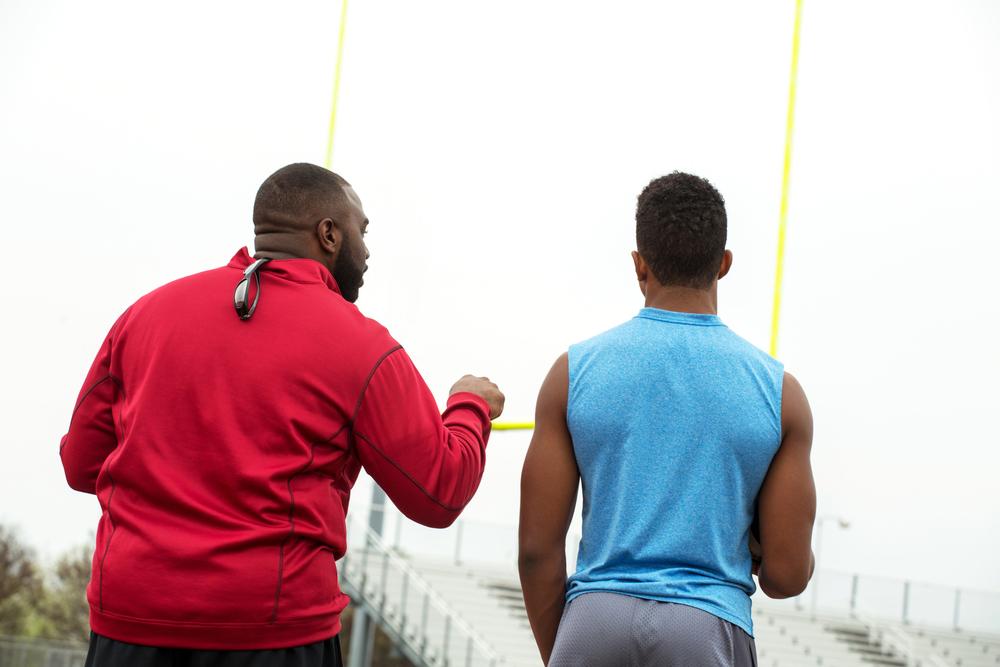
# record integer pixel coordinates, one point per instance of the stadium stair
(444, 614)
(951, 648)
(424, 626)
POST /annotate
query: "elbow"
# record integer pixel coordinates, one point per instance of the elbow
(528, 563)
(433, 510)
(79, 483)
(444, 520)
(436, 517)
(780, 592)
(77, 479)
(786, 584)
(532, 558)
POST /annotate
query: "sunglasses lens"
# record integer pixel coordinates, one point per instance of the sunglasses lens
(240, 299)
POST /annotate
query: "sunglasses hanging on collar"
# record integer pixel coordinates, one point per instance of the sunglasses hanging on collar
(241, 294)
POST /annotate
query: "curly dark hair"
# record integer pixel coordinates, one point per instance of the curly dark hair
(680, 229)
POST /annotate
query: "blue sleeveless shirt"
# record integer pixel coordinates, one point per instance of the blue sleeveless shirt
(674, 420)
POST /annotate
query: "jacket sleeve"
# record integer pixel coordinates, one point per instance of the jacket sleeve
(429, 464)
(92, 435)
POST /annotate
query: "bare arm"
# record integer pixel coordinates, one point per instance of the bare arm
(787, 501)
(549, 483)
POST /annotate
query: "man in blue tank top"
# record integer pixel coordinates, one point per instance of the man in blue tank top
(692, 450)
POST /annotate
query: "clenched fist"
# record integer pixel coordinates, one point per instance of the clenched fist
(483, 388)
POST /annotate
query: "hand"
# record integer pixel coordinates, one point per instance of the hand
(483, 388)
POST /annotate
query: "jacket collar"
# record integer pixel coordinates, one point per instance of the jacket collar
(298, 270)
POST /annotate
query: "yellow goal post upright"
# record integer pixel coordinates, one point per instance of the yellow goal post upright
(783, 215)
(785, 182)
(332, 129)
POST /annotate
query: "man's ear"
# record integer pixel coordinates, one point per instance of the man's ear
(641, 270)
(329, 237)
(727, 263)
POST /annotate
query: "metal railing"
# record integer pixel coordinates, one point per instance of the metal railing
(420, 622)
(902, 601)
(909, 602)
(25, 652)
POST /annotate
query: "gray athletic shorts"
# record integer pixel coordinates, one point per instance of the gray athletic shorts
(611, 630)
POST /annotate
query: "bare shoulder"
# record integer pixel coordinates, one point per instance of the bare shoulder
(550, 465)
(555, 388)
(796, 414)
(561, 366)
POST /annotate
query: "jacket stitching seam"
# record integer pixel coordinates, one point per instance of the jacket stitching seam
(413, 481)
(107, 546)
(361, 397)
(86, 395)
(368, 380)
(114, 526)
(291, 520)
(222, 626)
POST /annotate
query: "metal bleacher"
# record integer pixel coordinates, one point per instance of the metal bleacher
(442, 612)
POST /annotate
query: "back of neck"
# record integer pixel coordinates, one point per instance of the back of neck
(683, 299)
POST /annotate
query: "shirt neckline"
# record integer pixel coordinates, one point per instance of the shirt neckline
(677, 317)
(299, 270)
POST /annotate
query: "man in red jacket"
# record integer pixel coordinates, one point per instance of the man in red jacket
(222, 426)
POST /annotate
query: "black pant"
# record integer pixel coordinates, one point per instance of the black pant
(106, 652)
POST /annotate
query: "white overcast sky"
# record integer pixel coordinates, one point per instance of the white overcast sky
(499, 148)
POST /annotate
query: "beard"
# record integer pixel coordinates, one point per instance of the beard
(349, 279)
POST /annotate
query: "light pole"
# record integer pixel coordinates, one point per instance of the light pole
(821, 522)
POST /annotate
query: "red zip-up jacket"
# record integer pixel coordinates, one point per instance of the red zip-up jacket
(223, 453)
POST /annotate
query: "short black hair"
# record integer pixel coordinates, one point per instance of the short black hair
(294, 190)
(680, 229)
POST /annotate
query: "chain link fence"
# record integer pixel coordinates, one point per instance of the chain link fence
(22, 652)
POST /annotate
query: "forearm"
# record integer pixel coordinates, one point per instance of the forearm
(543, 582)
(785, 578)
(467, 428)
(80, 477)
(432, 489)
(429, 464)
